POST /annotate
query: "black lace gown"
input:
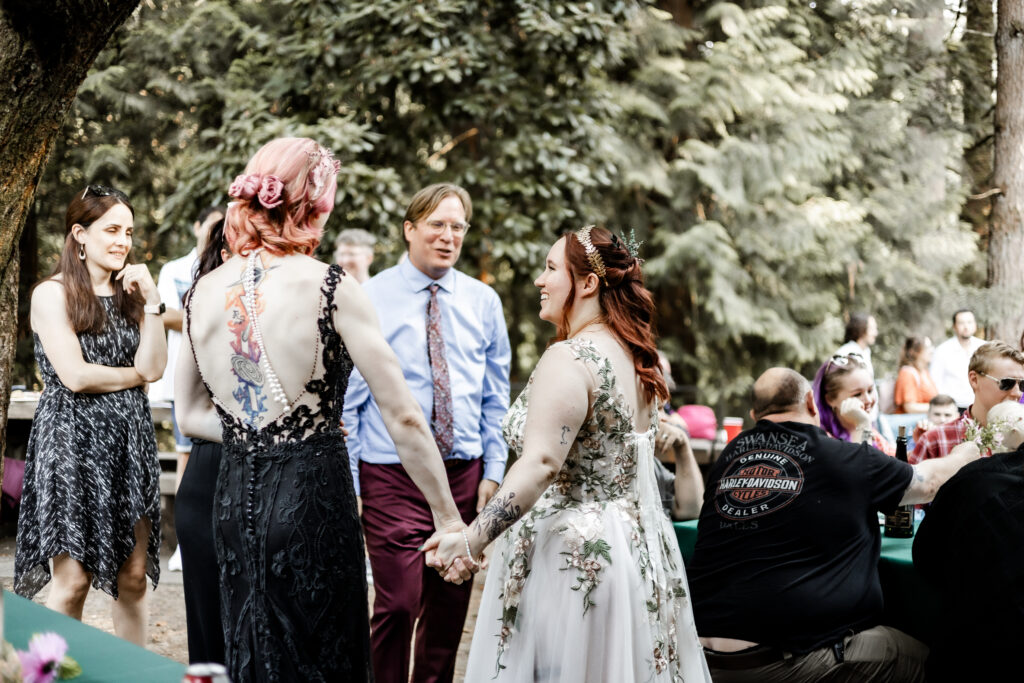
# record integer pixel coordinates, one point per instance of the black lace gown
(288, 538)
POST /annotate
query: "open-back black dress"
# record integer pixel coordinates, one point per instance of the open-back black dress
(287, 532)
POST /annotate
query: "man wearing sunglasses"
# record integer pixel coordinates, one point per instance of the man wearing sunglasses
(996, 374)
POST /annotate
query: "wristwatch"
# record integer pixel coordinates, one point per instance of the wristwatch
(155, 309)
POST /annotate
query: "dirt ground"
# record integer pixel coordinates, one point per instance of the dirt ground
(167, 633)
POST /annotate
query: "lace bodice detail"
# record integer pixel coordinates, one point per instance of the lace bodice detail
(602, 461)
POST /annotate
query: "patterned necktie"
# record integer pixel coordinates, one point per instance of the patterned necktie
(441, 416)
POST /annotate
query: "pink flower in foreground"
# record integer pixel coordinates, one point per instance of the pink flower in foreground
(42, 661)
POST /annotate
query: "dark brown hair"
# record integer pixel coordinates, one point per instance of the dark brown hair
(857, 327)
(627, 305)
(84, 309)
(912, 348)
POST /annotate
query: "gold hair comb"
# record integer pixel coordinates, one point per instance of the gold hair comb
(596, 263)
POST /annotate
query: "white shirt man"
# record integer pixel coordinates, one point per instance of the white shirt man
(951, 358)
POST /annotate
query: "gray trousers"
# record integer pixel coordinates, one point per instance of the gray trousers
(880, 655)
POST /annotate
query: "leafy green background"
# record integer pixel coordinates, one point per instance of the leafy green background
(786, 163)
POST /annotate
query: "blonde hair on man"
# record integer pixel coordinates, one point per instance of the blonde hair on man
(982, 359)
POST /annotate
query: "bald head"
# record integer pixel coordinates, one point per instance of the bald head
(779, 390)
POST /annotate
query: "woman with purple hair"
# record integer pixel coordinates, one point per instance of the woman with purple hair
(844, 390)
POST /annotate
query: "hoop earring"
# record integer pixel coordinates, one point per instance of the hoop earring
(81, 252)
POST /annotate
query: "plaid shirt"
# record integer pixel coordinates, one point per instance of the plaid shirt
(939, 441)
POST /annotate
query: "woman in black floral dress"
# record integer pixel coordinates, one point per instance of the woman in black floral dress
(91, 501)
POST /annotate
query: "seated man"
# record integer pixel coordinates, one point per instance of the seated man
(784, 576)
(971, 547)
(996, 374)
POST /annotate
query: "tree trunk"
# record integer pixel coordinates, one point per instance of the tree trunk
(979, 87)
(1006, 239)
(46, 49)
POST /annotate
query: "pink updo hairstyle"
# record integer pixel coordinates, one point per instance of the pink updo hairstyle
(286, 186)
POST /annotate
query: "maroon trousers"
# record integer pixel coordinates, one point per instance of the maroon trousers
(397, 521)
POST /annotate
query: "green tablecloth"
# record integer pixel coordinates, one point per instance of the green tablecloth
(911, 604)
(104, 658)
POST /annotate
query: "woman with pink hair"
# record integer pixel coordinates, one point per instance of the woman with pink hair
(272, 336)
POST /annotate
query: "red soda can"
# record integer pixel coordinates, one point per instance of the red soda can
(206, 673)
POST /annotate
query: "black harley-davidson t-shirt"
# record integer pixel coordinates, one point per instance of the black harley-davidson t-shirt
(788, 538)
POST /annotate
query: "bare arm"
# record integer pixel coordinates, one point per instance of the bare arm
(356, 322)
(929, 475)
(50, 321)
(689, 484)
(173, 319)
(192, 405)
(559, 403)
(151, 356)
(915, 407)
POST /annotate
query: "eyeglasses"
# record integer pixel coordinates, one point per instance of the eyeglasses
(104, 191)
(1006, 383)
(438, 227)
(841, 361)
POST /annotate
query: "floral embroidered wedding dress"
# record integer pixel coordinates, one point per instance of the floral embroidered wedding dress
(589, 585)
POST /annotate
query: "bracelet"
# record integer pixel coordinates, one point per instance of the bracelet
(469, 552)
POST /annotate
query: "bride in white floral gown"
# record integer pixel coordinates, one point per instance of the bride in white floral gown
(586, 582)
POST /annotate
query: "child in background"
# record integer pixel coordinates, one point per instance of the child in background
(941, 409)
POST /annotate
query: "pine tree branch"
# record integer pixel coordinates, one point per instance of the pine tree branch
(450, 145)
(986, 194)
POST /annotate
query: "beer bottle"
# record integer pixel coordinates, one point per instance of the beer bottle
(900, 523)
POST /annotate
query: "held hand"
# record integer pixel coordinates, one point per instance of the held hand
(484, 493)
(446, 552)
(967, 448)
(851, 412)
(137, 276)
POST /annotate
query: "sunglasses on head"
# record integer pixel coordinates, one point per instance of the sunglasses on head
(104, 191)
(842, 360)
(1006, 383)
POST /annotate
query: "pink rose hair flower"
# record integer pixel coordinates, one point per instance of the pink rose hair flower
(245, 186)
(271, 188)
(41, 663)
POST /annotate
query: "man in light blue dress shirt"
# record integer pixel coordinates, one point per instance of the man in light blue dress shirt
(396, 518)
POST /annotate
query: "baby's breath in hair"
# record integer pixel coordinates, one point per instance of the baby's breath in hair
(632, 245)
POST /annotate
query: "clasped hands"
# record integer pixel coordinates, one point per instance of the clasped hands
(446, 552)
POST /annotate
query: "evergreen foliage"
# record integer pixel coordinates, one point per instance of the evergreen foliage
(785, 162)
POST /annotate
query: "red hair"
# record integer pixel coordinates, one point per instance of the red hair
(627, 305)
(287, 228)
